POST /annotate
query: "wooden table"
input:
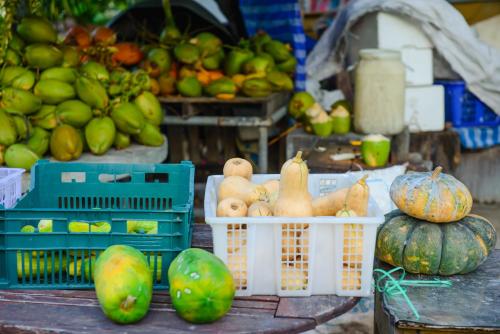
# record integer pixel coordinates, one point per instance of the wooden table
(66, 311)
(471, 305)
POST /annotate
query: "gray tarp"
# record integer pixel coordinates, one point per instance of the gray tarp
(476, 62)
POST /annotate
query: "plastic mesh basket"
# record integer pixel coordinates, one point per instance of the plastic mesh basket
(10, 186)
(74, 211)
(462, 108)
(297, 256)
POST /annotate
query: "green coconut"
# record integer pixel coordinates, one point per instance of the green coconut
(375, 150)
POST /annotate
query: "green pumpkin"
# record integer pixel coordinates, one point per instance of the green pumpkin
(422, 247)
(201, 286)
(433, 196)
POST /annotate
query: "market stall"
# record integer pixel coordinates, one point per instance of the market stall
(164, 168)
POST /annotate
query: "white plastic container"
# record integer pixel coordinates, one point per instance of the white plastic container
(329, 255)
(10, 186)
(419, 66)
(379, 98)
(424, 108)
(386, 31)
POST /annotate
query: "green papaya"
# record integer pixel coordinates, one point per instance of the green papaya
(150, 107)
(161, 58)
(123, 283)
(150, 135)
(64, 74)
(23, 127)
(201, 286)
(71, 56)
(122, 140)
(207, 43)
(288, 66)
(54, 91)
(221, 86)
(235, 60)
(39, 141)
(51, 265)
(65, 143)
(91, 92)
(189, 86)
(278, 50)
(74, 112)
(43, 56)
(8, 130)
(34, 29)
(17, 77)
(94, 70)
(280, 81)
(21, 101)
(20, 156)
(257, 88)
(45, 117)
(100, 134)
(12, 58)
(128, 118)
(186, 53)
(16, 43)
(257, 65)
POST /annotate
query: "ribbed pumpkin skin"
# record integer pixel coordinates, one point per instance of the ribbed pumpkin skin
(421, 247)
(431, 196)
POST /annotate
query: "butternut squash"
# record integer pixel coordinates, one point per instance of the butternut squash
(357, 197)
(294, 199)
(329, 204)
(260, 209)
(353, 240)
(238, 167)
(240, 188)
(231, 207)
(272, 187)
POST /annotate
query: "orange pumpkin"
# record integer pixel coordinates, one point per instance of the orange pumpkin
(433, 196)
(127, 54)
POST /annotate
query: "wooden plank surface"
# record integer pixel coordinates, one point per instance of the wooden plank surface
(78, 311)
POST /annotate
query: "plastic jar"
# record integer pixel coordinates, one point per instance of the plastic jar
(379, 96)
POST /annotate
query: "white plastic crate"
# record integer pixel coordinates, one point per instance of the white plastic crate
(297, 256)
(10, 186)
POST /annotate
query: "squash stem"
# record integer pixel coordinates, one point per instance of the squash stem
(298, 157)
(436, 172)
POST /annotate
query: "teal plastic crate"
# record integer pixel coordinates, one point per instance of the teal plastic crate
(114, 196)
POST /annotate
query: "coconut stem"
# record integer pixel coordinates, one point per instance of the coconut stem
(128, 302)
(436, 172)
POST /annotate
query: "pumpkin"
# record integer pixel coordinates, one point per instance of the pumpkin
(357, 197)
(238, 167)
(231, 207)
(240, 188)
(433, 196)
(294, 199)
(260, 209)
(428, 248)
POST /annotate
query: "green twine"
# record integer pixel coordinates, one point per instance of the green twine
(385, 283)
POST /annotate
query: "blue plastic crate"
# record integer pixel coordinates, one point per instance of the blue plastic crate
(147, 206)
(462, 108)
